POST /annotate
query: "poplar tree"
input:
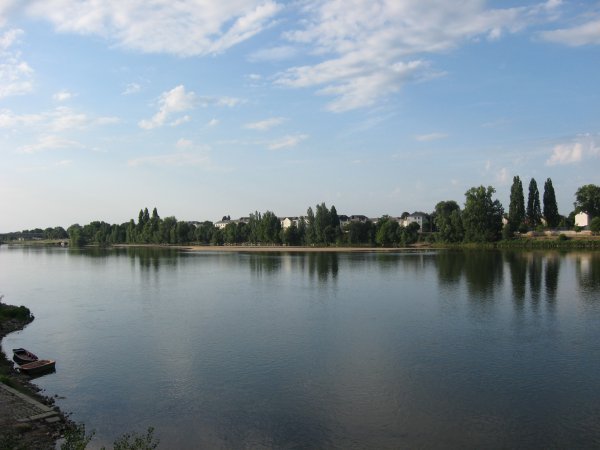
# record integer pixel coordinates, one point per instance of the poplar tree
(534, 213)
(516, 208)
(550, 207)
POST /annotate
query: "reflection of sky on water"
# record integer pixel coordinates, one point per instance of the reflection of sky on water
(317, 350)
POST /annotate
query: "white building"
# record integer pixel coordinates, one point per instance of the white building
(582, 220)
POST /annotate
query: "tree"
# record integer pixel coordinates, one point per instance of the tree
(550, 207)
(595, 225)
(447, 221)
(588, 200)
(482, 216)
(516, 208)
(534, 213)
(388, 232)
(310, 234)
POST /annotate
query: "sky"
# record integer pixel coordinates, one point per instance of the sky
(205, 108)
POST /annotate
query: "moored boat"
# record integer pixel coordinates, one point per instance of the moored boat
(38, 367)
(22, 356)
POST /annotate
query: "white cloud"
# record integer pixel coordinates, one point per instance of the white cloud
(573, 152)
(265, 125)
(183, 143)
(170, 102)
(182, 159)
(184, 28)
(49, 142)
(212, 123)
(15, 74)
(180, 121)
(56, 120)
(287, 141)
(585, 34)
(566, 154)
(62, 96)
(502, 176)
(279, 53)
(132, 88)
(430, 137)
(370, 48)
(220, 101)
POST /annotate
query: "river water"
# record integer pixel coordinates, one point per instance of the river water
(449, 349)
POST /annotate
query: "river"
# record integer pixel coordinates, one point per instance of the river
(427, 349)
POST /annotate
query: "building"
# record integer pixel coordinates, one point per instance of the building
(417, 217)
(582, 220)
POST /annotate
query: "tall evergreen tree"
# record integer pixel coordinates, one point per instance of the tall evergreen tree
(550, 207)
(534, 213)
(516, 208)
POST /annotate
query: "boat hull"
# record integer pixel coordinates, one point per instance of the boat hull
(38, 367)
(22, 356)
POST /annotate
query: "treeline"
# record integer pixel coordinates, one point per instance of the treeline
(483, 218)
(320, 227)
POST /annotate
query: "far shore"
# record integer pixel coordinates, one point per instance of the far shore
(277, 248)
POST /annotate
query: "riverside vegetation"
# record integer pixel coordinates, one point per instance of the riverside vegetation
(481, 221)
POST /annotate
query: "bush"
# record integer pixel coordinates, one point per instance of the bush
(563, 237)
(8, 312)
(595, 225)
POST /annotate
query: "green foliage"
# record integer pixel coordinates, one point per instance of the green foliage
(588, 200)
(516, 208)
(533, 213)
(595, 225)
(134, 441)
(76, 439)
(482, 216)
(563, 237)
(8, 312)
(448, 221)
(550, 207)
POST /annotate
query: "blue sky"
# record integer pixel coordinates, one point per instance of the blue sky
(206, 108)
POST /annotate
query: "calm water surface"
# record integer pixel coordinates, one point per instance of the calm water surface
(318, 350)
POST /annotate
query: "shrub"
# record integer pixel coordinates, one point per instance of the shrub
(595, 225)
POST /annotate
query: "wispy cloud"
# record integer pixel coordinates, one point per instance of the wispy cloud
(287, 141)
(15, 74)
(180, 159)
(583, 146)
(279, 53)
(174, 101)
(50, 142)
(62, 96)
(178, 100)
(369, 49)
(430, 137)
(587, 33)
(56, 120)
(132, 88)
(264, 125)
(161, 26)
(212, 123)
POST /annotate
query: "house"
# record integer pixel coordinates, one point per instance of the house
(358, 218)
(417, 217)
(287, 222)
(223, 223)
(582, 220)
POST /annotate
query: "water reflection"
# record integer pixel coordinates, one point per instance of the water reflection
(551, 278)
(587, 271)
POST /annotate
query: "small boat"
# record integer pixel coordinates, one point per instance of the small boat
(22, 356)
(38, 367)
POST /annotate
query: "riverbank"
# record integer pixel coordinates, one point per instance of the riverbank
(28, 419)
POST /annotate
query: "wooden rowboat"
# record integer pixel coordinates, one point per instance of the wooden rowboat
(22, 356)
(38, 367)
